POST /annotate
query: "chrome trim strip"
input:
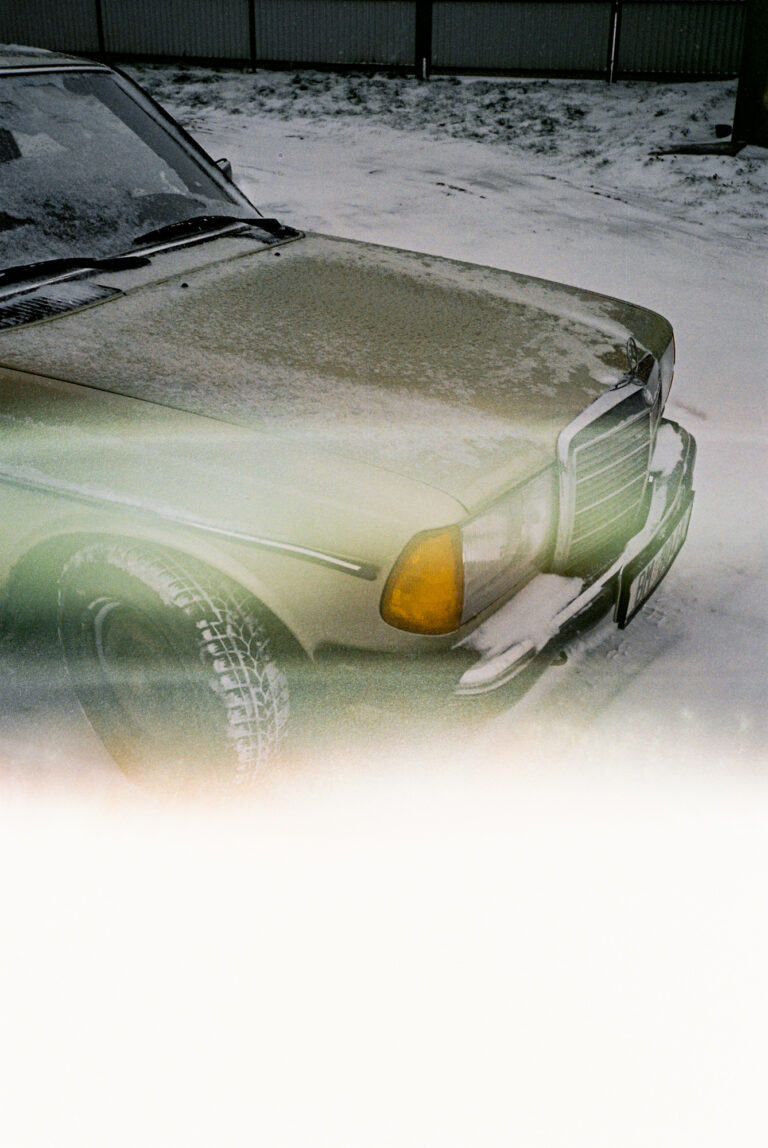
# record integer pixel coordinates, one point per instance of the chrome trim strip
(63, 489)
(236, 227)
(27, 69)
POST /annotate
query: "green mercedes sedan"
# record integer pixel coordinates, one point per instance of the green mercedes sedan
(231, 451)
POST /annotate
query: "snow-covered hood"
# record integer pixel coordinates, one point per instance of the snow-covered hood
(454, 375)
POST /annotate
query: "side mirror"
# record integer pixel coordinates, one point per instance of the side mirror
(225, 166)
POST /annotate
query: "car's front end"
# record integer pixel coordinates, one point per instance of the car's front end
(625, 499)
(387, 453)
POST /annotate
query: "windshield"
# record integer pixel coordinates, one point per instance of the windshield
(86, 166)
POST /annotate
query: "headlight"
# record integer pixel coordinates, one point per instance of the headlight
(667, 370)
(503, 545)
(445, 577)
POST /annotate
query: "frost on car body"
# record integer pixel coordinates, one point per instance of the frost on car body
(363, 448)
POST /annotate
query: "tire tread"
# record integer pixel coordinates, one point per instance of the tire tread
(233, 642)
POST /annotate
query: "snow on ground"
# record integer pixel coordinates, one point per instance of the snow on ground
(547, 931)
(583, 132)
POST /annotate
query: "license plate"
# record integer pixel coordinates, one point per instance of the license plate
(641, 576)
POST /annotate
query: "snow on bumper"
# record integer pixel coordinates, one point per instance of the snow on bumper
(551, 605)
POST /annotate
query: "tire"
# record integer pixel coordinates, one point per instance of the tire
(175, 674)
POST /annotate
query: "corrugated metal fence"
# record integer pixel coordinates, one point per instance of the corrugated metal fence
(616, 38)
(526, 36)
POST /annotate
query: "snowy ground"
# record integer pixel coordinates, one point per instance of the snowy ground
(549, 930)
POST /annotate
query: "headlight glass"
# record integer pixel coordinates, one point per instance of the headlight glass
(505, 544)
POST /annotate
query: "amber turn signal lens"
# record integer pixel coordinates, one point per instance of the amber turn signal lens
(425, 591)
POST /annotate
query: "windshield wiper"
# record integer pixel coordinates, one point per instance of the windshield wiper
(199, 224)
(45, 267)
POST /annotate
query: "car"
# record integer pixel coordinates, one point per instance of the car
(233, 451)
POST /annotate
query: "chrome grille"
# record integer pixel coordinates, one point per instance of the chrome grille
(603, 482)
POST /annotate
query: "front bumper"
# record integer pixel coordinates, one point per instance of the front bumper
(551, 608)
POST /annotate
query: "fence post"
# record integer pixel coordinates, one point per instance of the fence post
(423, 38)
(750, 120)
(100, 28)
(252, 31)
(614, 36)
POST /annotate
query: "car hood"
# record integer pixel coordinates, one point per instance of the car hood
(456, 376)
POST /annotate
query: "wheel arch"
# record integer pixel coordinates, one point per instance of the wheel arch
(30, 594)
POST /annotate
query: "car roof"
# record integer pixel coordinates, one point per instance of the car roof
(14, 56)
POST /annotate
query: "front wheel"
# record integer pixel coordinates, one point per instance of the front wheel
(176, 675)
